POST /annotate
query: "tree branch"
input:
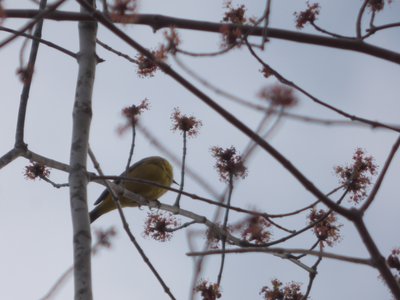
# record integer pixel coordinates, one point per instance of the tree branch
(283, 80)
(19, 132)
(160, 21)
(378, 183)
(224, 113)
(37, 17)
(288, 251)
(377, 259)
(116, 199)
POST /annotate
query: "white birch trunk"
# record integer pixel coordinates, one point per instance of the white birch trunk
(82, 114)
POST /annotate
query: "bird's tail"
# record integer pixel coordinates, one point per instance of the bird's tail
(103, 205)
(95, 213)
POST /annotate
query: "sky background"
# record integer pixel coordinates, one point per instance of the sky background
(35, 221)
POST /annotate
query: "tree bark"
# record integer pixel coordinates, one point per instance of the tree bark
(78, 179)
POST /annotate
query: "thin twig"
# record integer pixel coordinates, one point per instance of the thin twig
(209, 54)
(378, 261)
(327, 122)
(68, 272)
(332, 34)
(131, 149)
(107, 47)
(305, 228)
(19, 132)
(285, 81)
(277, 250)
(224, 227)
(171, 155)
(371, 26)
(218, 90)
(250, 148)
(41, 14)
(316, 243)
(59, 283)
(379, 181)
(127, 229)
(147, 261)
(262, 108)
(306, 207)
(56, 185)
(266, 23)
(42, 41)
(28, 154)
(181, 186)
(184, 225)
(312, 275)
(251, 145)
(267, 216)
(374, 29)
(359, 19)
(28, 72)
(141, 201)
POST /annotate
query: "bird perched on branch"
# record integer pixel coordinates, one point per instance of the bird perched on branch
(153, 169)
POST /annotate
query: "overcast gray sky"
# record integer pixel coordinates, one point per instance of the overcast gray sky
(35, 218)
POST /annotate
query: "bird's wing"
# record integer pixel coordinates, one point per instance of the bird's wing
(105, 193)
(103, 196)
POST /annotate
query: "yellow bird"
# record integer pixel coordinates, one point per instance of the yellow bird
(153, 168)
